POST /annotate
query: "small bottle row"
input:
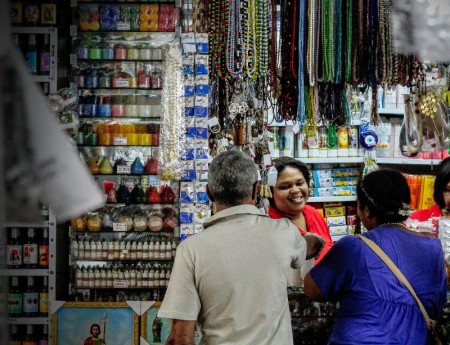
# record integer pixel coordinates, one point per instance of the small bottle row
(30, 301)
(148, 276)
(141, 249)
(118, 106)
(128, 134)
(26, 249)
(102, 165)
(36, 50)
(28, 334)
(126, 17)
(129, 218)
(119, 51)
(105, 78)
(117, 295)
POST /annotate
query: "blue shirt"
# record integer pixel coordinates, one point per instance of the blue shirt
(375, 308)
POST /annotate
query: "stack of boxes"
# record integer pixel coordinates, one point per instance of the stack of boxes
(340, 218)
(329, 180)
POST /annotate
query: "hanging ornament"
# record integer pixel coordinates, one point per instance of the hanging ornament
(173, 126)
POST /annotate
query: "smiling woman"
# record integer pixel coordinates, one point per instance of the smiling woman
(289, 196)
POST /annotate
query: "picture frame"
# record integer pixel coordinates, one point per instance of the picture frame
(74, 323)
(148, 320)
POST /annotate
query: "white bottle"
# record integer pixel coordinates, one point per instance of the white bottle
(145, 251)
(151, 250)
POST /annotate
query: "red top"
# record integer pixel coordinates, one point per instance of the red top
(315, 224)
(423, 215)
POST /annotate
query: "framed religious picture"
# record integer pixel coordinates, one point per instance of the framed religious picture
(88, 323)
(154, 330)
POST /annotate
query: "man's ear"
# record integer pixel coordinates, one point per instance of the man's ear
(208, 192)
(255, 190)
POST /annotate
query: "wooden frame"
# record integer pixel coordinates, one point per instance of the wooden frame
(72, 323)
(147, 320)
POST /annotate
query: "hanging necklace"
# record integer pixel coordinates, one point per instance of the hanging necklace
(301, 110)
(263, 37)
(348, 40)
(234, 52)
(319, 49)
(338, 56)
(311, 49)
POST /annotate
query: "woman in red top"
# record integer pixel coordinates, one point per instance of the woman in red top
(290, 194)
(441, 195)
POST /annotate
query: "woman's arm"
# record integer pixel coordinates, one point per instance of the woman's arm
(311, 290)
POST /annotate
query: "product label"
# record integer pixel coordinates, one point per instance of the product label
(30, 253)
(16, 13)
(43, 255)
(15, 303)
(31, 58)
(30, 302)
(45, 65)
(14, 254)
(43, 303)
(32, 14)
(48, 14)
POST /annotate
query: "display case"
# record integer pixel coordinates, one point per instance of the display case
(39, 46)
(29, 267)
(125, 250)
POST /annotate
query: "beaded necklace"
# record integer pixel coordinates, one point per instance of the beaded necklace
(218, 34)
(234, 54)
(200, 15)
(273, 75)
(359, 46)
(319, 64)
(251, 46)
(311, 49)
(338, 57)
(348, 40)
(372, 43)
(263, 36)
(301, 110)
(327, 27)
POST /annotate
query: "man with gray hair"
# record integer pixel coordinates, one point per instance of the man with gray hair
(230, 281)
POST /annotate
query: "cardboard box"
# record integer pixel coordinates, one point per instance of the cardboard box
(323, 182)
(335, 211)
(338, 230)
(336, 221)
(336, 238)
(325, 191)
(344, 191)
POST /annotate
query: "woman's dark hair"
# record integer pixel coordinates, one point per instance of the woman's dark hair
(442, 179)
(283, 162)
(386, 194)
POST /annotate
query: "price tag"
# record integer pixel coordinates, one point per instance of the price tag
(120, 284)
(120, 141)
(119, 226)
(123, 26)
(121, 83)
(123, 169)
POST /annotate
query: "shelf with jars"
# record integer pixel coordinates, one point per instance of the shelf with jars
(120, 251)
(29, 269)
(39, 47)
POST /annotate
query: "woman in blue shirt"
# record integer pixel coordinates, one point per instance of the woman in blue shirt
(374, 307)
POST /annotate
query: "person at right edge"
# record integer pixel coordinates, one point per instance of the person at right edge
(441, 195)
(230, 280)
(375, 307)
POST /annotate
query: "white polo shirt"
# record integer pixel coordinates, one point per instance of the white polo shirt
(232, 278)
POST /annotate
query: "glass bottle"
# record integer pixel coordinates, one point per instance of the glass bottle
(43, 297)
(43, 249)
(30, 299)
(44, 56)
(30, 339)
(14, 250)
(43, 340)
(31, 55)
(15, 298)
(14, 338)
(30, 249)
